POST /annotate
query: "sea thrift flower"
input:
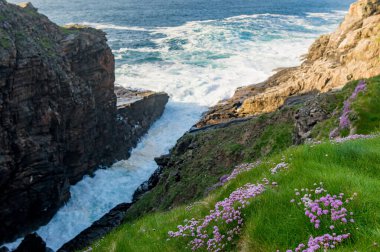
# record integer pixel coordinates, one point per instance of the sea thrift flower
(325, 210)
(278, 167)
(344, 120)
(353, 137)
(324, 242)
(242, 168)
(205, 233)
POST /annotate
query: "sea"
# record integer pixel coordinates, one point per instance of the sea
(199, 52)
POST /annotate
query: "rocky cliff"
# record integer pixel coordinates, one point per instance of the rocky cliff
(351, 52)
(58, 114)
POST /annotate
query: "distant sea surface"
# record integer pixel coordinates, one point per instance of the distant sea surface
(199, 52)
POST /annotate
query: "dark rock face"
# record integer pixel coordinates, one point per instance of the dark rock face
(147, 185)
(312, 112)
(4, 249)
(58, 115)
(32, 243)
(136, 111)
(98, 229)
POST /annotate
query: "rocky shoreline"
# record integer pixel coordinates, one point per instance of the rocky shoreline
(60, 118)
(349, 53)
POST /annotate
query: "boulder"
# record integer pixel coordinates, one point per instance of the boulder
(32, 243)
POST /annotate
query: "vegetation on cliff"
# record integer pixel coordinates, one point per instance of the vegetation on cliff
(272, 220)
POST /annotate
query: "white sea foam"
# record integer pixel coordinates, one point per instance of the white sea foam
(213, 57)
(94, 196)
(105, 26)
(337, 15)
(200, 64)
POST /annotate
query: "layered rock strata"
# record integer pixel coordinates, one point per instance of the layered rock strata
(58, 114)
(350, 53)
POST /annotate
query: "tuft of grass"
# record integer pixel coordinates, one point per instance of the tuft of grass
(4, 40)
(271, 221)
(2, 17)
(67, 30)
(46, 43)
(274, 139)
(234, 149)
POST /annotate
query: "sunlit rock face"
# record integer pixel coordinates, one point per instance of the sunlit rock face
(58, 114)
(350, 53)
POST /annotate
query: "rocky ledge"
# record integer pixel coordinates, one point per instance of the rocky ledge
(59, 118)
(350, 53)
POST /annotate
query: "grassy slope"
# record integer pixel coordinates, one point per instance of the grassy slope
(272, 222)
(215, 154)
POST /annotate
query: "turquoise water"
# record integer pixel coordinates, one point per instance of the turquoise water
(198, 51)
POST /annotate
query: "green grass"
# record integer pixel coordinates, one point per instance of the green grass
(275, 138)
(215, 153)
(4, 40)
(46, 43)
(68, 31)
(367, 108)
(365, 115)
(272, 222)
(2, 17)
(333, 104)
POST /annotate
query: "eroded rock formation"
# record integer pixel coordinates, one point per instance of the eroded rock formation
(351, 52)
(58, 114)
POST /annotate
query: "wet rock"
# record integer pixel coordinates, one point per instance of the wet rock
(32, 243)
(136, 111)
(4, 249)
(98, 229)
(163, 160)
(147, 185)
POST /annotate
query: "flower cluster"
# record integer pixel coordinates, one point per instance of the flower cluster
(241, 168)
(325, 242)
(279, 167)
(344, 120)
(353, 137)
(344, 139)
(328, 210)
(205, 233)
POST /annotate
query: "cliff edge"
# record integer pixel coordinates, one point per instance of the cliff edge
(58, 114)
(350, 53)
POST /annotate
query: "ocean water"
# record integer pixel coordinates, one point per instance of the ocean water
(199, 52)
